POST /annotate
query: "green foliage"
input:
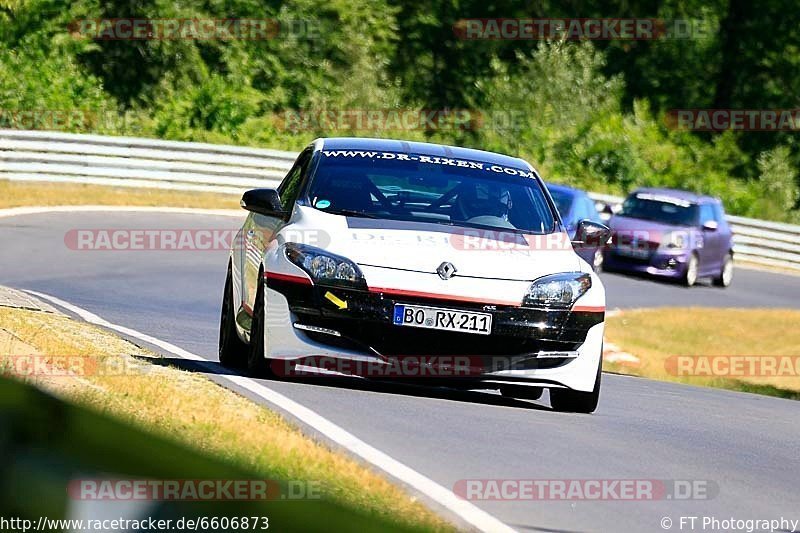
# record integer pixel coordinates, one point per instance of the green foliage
(40, 73)
(587, 114)
(215, 104)
(579, 134)
(775, 193)
(551, 100)
(35, 81)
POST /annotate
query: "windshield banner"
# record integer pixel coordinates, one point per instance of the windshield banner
(434, 160)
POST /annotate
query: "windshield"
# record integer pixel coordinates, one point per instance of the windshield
(431, 189)
(665, 210)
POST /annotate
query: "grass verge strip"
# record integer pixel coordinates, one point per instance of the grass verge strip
(95, 369)
(750, 350)
(21, 194)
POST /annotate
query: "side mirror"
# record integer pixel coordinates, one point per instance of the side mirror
(710, 225)
(264, 202)
(590, 234)
(605, 210)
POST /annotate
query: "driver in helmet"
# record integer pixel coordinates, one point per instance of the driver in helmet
(479, 200)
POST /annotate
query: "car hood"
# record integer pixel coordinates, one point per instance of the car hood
(422, 247)
(644, 229)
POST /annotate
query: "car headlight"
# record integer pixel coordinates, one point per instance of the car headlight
(324, 267)
(557, 290)
(674, 239)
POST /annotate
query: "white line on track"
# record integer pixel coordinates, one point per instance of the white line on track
(467, 511)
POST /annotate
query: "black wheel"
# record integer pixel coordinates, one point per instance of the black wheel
(604, 265)
(232, 350)
(572, 401)
(257, 364)
(522, 392)
(692, 267)
(725, 276)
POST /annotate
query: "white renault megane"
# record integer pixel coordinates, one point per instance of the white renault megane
(451, 261)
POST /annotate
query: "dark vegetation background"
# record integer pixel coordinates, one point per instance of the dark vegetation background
(593, 112)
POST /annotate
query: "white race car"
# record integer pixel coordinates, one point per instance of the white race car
(384, 258)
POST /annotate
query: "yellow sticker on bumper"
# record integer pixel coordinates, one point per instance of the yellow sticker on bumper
(338, 302)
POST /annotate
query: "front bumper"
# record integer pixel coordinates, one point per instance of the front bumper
(533, 346)
(665, 263)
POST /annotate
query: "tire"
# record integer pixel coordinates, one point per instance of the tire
(232, 350)
(521, 392)
(604, 267)
(692, 267)
(725, 273)
(257, 365)
(572, 401)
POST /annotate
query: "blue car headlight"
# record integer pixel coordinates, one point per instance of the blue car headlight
(324, 267)
(557, 290)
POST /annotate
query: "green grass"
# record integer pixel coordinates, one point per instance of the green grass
(654, 335)
(194, 414)
(21, 194)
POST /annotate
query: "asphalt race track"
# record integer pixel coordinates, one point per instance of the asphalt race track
(746, 445)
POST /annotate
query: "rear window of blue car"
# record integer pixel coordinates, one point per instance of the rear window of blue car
(423, 188)
(563, 200)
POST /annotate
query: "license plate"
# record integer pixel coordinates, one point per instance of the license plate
(630, 251)
(418, 316)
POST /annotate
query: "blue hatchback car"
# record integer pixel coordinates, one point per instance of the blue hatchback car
(671, 233)
(575, 205)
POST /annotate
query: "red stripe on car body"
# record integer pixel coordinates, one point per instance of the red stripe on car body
(590, 308)
(288, 277)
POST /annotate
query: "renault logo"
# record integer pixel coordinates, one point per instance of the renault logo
(446, 270)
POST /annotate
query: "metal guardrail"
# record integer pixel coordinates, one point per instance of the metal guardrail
(135, 162)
